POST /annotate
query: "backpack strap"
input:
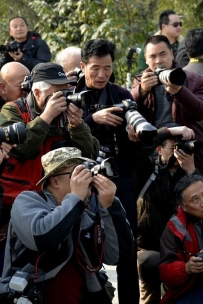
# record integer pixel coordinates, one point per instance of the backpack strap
(149, 181)
(20, 104)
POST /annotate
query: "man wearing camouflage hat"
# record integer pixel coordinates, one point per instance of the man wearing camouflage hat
(59, 240)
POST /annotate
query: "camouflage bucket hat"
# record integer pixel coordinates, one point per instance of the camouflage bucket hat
(58, 159)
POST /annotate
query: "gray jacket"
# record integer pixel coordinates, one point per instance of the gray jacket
(38, 225)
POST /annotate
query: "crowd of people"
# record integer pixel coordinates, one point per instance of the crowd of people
(104, 175)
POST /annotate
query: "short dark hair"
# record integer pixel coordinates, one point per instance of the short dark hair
(194, 42)
(157, 39)
(183, 183)
(16, 17)
(99, 48)
(164, 17)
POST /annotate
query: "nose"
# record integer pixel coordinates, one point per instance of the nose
(158, 59)
(101, 73)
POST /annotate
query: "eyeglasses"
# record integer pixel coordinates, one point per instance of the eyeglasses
(176, 24)
(64, 173)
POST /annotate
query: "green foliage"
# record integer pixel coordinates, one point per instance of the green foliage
(70, 22)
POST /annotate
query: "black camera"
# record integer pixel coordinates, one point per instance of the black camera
(190, 146)
(107, 167)
(104, 151)
(81, 100)
(11, 47)
(24, 288)
(199, 255)
(176, 76)
(26, 85)
(145, 130)
(13, 134)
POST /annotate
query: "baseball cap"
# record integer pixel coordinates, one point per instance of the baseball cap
(49, 72)
(59, 159)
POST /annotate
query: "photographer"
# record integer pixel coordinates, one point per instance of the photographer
(50, 122)
(181, 267)
(63, 242)
(24, 46)
(169, 103)
(108, 125)
(155, 206)
(12, 75)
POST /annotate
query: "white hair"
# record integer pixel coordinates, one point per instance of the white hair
(41, 85)
(69, 51)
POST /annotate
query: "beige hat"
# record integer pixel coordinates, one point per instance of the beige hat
(59, 159)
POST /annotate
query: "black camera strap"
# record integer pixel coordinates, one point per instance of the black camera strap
(149, 181)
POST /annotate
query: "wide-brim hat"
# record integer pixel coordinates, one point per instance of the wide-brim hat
(50, 72)
(58, 159)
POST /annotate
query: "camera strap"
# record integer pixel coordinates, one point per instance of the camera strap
(149, 181)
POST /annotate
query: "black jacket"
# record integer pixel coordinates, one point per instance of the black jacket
(34, 49)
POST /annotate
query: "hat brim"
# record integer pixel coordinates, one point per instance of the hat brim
(60, 81)
(66, 163)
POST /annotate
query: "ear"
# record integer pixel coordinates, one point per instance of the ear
(53, 180)
(2, 88)
(82, 65)
(159, 150)
(36, 93)
(183, 206)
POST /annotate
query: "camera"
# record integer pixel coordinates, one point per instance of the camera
(81, 100)
(13, 134)
(189, 146)
(23, 287)
(107, 168)
(146, 132)
(176, 76)
(104, 151)
(26, 85)
(199, 255)
(11, 47)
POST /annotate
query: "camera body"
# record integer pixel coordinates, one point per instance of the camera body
(176, 76)
(200, 255)
(11, 47)
(107, 168)
(81, 100)
(26, 85)
(13, 134)
(21, 283)
(189, 146)
(146, 132)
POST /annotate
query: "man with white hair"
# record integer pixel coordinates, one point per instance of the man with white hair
(50, 122)
(70, 59)
(12, 75)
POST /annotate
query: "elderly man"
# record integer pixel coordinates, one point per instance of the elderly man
(68, 238)
(11, 76)
(169, 103)
(50, 123)
(29, 48)
(181, 267)
(108, 125)
(171, 27)
(70, 59)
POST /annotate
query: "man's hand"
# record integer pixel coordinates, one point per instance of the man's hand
(4, 150)
(16, 55)
(106, 190)
(107, 116)
(194, 265)
(186, 161)
(186, 132)
(55, 105)
(172, 89)
(148, 81)
(74, 115)
(80, 182)
(131, 134)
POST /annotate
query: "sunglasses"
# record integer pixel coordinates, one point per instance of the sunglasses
(176, 24)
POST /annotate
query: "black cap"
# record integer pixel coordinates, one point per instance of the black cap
(49, 72)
